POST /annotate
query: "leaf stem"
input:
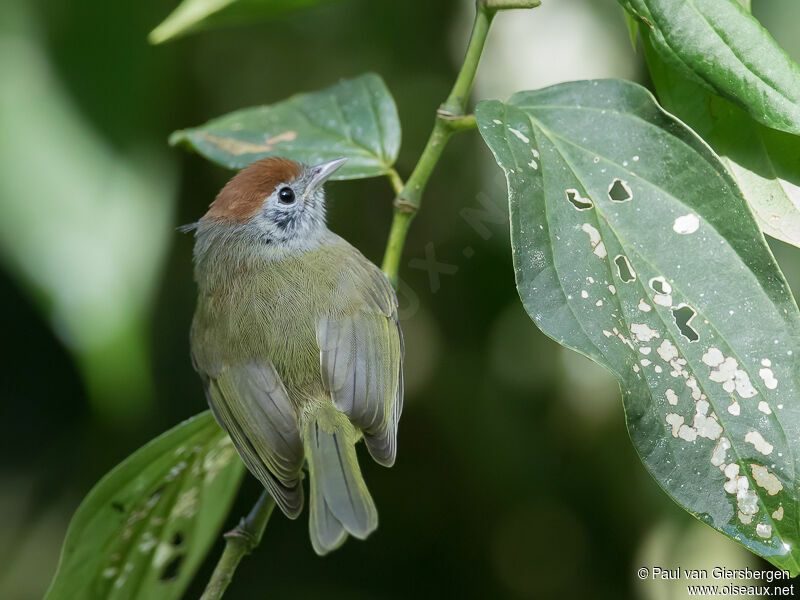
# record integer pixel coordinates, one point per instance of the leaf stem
(239, 541)
(395, 180)
(450, 118)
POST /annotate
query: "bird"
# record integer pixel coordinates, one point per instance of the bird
(297, 342)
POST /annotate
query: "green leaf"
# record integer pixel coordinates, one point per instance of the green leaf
(764, 162)
(718, 44)
(633, 28)
(355, 118)
(195, 15)
(144, 529)
(633, 246)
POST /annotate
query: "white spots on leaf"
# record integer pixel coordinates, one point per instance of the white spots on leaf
(584, 294)
(734, 408)
(625, 341)
(218, 458)
(635, 159)
(110, 572)
(720, 452)
(175, 471)
(147, 542)
(765, 479)
(612, 289)
(497, 122)
(663, 291)
(645, 350)
(643, 333)
(607, 333)
(777, 514)
(746, 498)
(765, 362)
(599, 303)
(725, 370)
(533, 165)
(163, 552)
(764, 530)
(714, 357)
(645, 362)
(703, 426)
(524, 138)
(619, 191)
(686, 224)
(706, 425)
(732, 473)
(759, 443)
(676, 421)
(764, 408)
(687, 433)
(186, 505)
(667, 351)
(671, 396)
(598, 247)
(768, 377)
(644, 306)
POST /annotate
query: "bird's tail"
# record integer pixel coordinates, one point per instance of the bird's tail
(340, 502)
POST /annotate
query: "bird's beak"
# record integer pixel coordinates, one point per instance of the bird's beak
(320, 174)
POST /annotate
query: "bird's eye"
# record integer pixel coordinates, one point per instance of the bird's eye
(286, 195)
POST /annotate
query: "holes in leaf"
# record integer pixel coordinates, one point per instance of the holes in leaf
(683, 315)
(177, 539)
(660, 286)
(574, 197)
(619, 191)
(118, 506)
(663, 291)
(172, 569)
(624, 269)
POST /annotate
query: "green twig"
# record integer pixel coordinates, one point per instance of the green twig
(239, 541)
(510, 4)
(395, 180)
(450, 118)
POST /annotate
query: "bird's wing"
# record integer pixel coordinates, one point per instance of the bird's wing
(361, 356)
(250, 402)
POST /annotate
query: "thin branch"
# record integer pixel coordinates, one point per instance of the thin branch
(395, 180)
(239, 541)
(450, 118)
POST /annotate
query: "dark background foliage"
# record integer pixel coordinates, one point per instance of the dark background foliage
(515, 477)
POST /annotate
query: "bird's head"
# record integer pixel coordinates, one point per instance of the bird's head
(275, 200)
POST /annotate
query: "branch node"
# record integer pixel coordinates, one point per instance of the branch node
(244, 535)
(405, 206)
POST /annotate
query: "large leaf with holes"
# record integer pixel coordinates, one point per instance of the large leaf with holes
(144, 529)
(718, 44)
(764, 162)
(355, 119)
(633, 246)
(195, 15)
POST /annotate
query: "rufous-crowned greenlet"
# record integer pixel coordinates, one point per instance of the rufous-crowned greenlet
(297, 342)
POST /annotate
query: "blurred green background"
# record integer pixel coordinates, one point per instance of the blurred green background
(515, 477)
